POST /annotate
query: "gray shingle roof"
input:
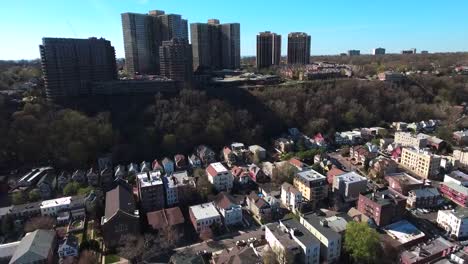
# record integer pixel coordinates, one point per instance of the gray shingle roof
(34, 246)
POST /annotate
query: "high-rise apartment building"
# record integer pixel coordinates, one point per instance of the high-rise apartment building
(268, 49)
(215, 46)
(143, 35)
(71, 65)
(298, 48)
(354, 52)
(176, 60)
(378, 51)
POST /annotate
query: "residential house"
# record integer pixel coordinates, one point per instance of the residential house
(241, 175)
(133, 169)
(257, 175)
(120, 172)
(428, 252)
(168, 166)
(63, 179)
(93, 177)
(180, 162)
(47, 185)
(348, 137)
(259, 207)
(194, 161)
(434, 142)
(420, 162)
(206, 155)
(35, 247)
(238, 255)
(168, 223)
(272, 170)
(349, 185)
(330, 240)
(299, 165)
(400, 126)
(69, 247)
(258, 152)
(284, 145)
(382, 166)
(156, 166)
(203, 216)
(107, 179)
(312, 185)
(229, 156)
(180, 188)
(229, 209)
(120, 217)
(383, 206)
(239, 150)
(461, 137)
(402, 182)
(292, 242)
(145, 167)
(79, 176)
(424, 198)
(363, 154)
(455, 222)
(219, 176)
(150, 191)
(31, 178)
(290, 197)
(55, 206)
(461, 156)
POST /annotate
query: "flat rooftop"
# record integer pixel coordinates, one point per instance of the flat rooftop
(403, 231)
(459, 212)
(179, 178)
(149, 179)
(384, 197)
(204, 211)
(425, 250)
(404, 178)
(316, 222)
(300, 232)
(425, 192)
(218, 167)
(351, 177)
(458, 175)
(56, 202)
(282, 235)
(311, 175)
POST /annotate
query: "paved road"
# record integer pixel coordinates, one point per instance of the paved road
(214, 245)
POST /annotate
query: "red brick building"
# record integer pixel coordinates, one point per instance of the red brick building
(384, 206)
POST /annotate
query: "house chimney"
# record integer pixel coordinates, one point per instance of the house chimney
(324, 222)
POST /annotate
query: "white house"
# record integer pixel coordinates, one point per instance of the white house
(203, 216)
(219, 176)
(54, 206)
(290, 196)
(455, 222)
(229, 209)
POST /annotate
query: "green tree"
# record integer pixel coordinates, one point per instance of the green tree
(71, 189)
(84, 190)
(34, 195)
(362, 242)
(18, 198)
(204, 186)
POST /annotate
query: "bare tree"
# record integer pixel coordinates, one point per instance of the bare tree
(40, 222)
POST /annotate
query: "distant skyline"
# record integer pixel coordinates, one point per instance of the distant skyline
(334, 25)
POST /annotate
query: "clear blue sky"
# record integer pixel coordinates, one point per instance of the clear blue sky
(335, 25)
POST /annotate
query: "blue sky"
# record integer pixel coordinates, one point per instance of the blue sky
(335, 25)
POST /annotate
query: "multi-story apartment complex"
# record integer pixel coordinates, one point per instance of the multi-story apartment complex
(143, 35)
(330, 240)
(420, 162)
(175, 56)
(219, 176)
(312, 185)
(179, 188)
(455, 222)
(290, 196)
(402, 182)
(407, 139)
(215, 46)
(71, 65)
(424, 198)
(292, 242)
(268, 49)
(298, 48)
(354, 52)
(378, 51)
(457, 193)
(349, 185)
(150, 191)
(229, 209)
(384, 206)
(462, 156)
(203, 216)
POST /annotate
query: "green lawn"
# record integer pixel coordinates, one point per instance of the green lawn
(111, 259)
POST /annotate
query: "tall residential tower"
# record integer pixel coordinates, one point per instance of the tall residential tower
(298, 48)
(143, 35)
(268, 49)
(215, 46)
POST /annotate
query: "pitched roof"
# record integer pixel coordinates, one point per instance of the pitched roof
(117, 199)
(297, 163)
(165, 217)
(224, 200)
(238, 256)
(35, 246)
